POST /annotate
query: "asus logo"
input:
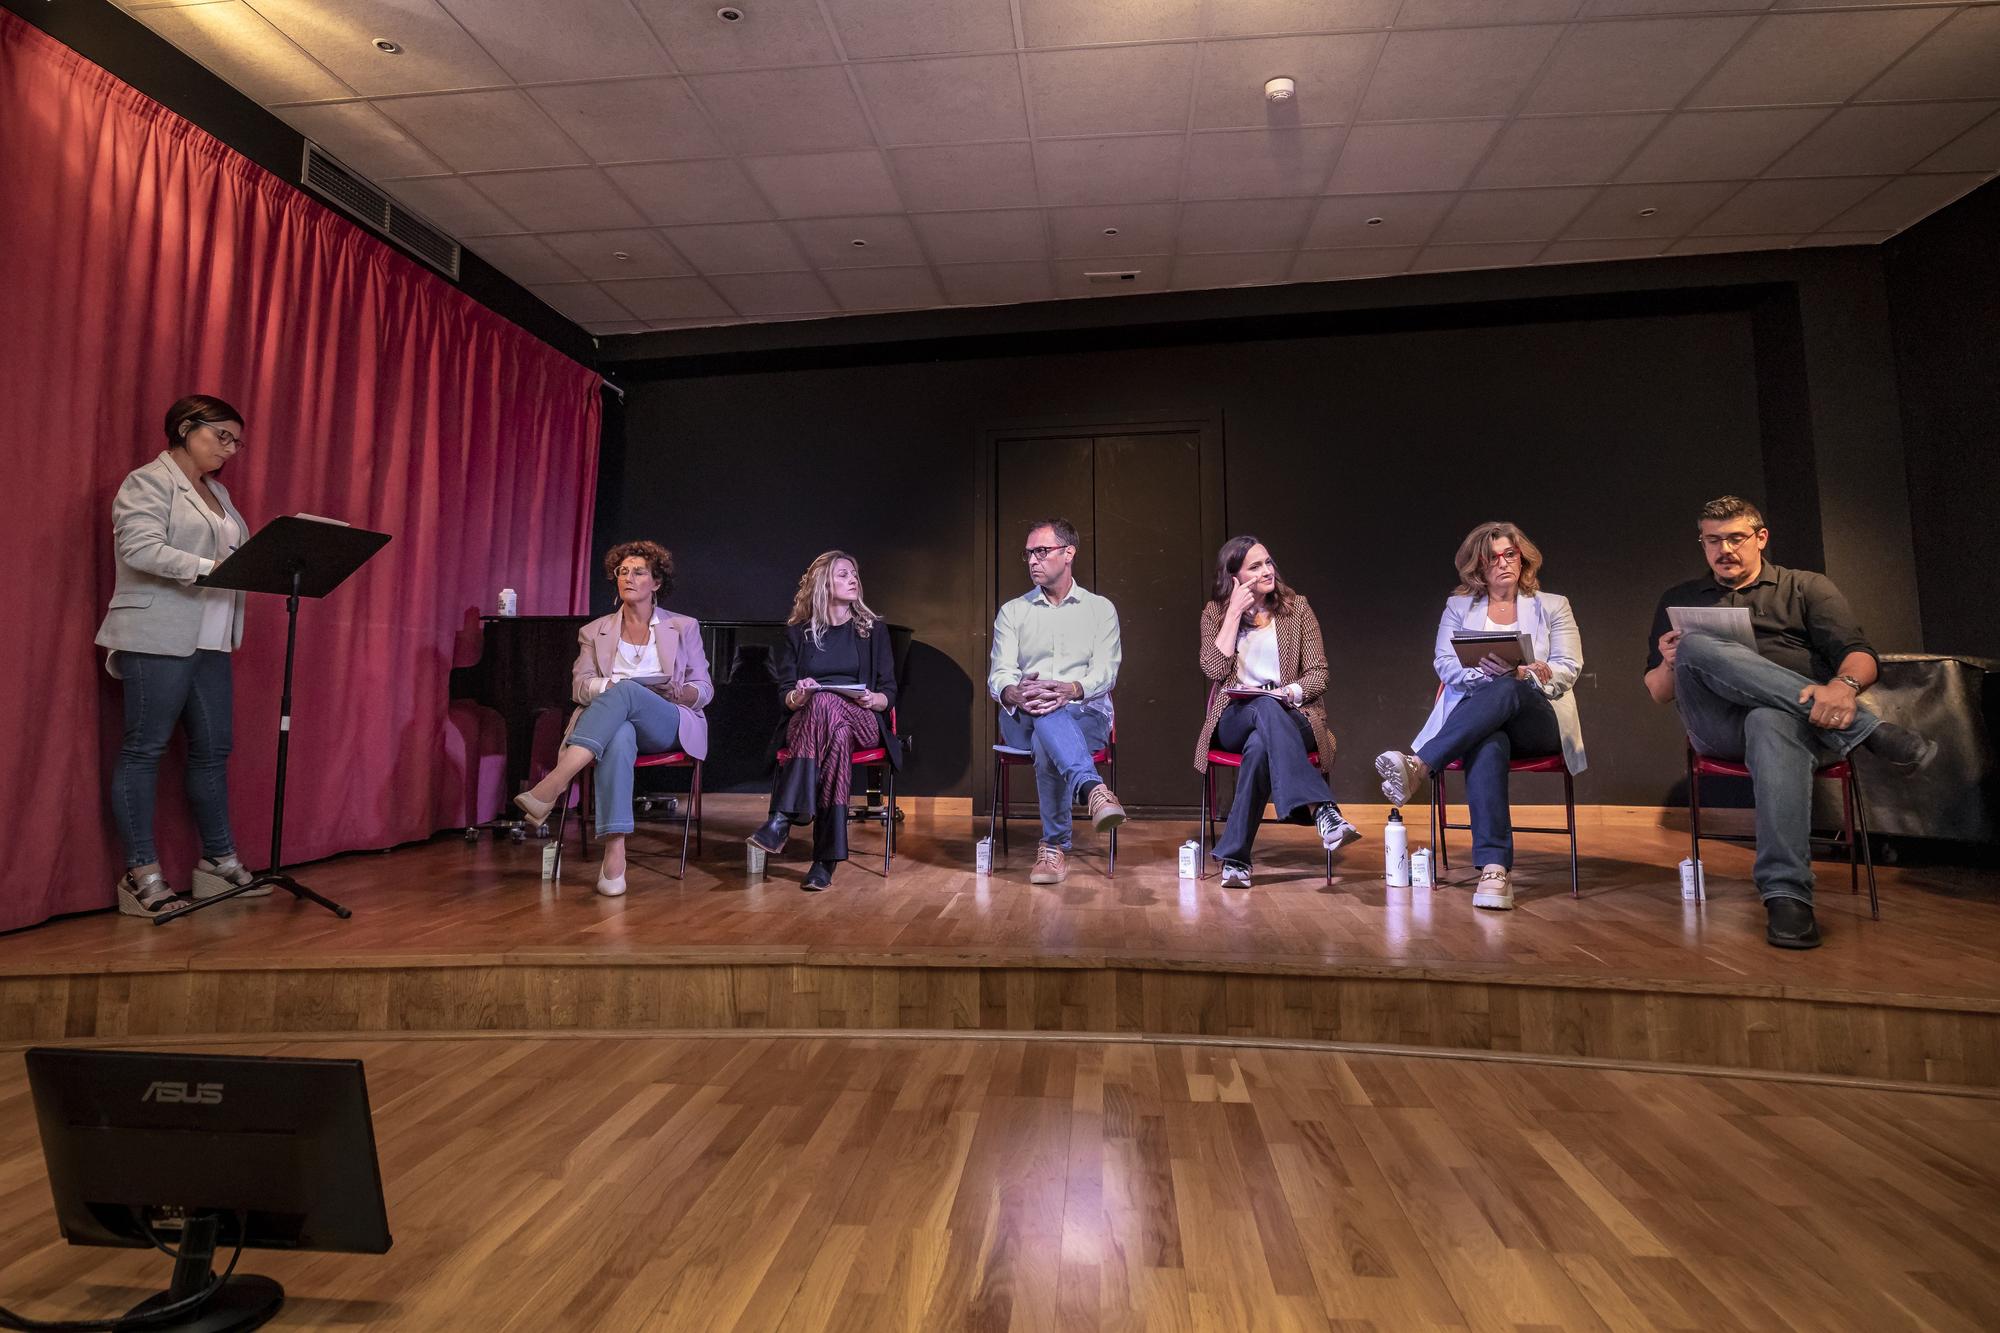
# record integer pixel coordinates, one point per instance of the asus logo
(202, 1094)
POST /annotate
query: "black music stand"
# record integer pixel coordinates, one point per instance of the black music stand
(297, 557)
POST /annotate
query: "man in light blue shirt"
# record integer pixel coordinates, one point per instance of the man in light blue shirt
(1055, 659)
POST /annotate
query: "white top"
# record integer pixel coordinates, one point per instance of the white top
(1257, 656)
(1074, 639)
(638, 659)
(218, 605)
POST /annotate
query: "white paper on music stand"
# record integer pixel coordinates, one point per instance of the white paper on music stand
(1728, 623)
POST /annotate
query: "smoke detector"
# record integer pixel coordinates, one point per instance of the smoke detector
(1279, 90)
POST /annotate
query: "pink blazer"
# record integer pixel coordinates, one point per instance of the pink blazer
(680, 636)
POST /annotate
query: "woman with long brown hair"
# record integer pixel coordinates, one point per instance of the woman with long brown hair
(1266, 664)
(839, 680)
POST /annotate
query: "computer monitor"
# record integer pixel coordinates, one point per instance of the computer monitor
(211, 1151)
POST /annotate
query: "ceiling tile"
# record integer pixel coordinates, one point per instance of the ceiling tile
(712, 322)
(584, 302)
(594, 253)
(1773, 207)
(1092, 171)
(869, 28)
(1110, 90)
(576, 199)
(1877, 140)
(654, 299)
(1237, 164)
(825, 184)
(437, 53)
(1142, 229)
(525, 259)
(884, 288)
(1565, 150)
(944, 101)
(1616, 212)
(996, 284)
(1828, 238)
(1248, 18)
(1721, 145)
(1646, 65)
(1329, 72)
(683, 192)
(1406, 219)
(1456, 72)
(1960, 59)
(450, 202)
(1228, 225)
(1068, 23)
(740, 247)
(772, 32)
(985, 237)
(1383, 159)
(1487, 216)
(1330, 265)
(495, 131)
(971, 176)
(1905, 201)
(784, 110)
(1813, 57)
(363, 138)
(829, 242)
(1443, 258)
(1978, 149)
(1153, 272)
(1578, 252)
(604, 327)
(1614, 8)
(1437, 13)
(236, 43)
(1711, 245)
(537, 41)
(631, 120)
(777, 294)
(1193, 272)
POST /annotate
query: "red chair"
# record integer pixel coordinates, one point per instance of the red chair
(873, 757)
(1227, 759)
(1006, 757)
(1853, 816)
(586, 808)
(1534, 763)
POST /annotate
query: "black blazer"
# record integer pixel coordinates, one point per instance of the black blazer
(880, 676)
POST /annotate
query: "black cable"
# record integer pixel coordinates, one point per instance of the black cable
(122, 1323)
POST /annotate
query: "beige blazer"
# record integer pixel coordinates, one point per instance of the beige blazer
(682, 660)
(1301, 658)
(162, 533)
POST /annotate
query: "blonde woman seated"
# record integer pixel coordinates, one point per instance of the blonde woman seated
(1491, 712)
(839, 679)
(642, 680)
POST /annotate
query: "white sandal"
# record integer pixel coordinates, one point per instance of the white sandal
(217, 877)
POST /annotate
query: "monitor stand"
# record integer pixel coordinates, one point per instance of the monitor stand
(245, 1301)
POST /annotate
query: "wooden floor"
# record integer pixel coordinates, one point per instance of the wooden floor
(683, 1184)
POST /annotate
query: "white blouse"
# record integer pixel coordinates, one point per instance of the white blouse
(638, 659)
(218, 605)
(1257, 656)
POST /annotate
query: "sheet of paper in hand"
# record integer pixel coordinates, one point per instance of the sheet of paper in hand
(1729, 623)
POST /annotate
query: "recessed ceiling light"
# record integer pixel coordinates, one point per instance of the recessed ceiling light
(1647, 212)
(620, 254)
(1111, 231)
(857, 243)
(729, 14)
(1372, 222)
(387, 47)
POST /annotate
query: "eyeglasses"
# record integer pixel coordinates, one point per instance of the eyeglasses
(634, 571)
(1034, 553)
(1726, 541)
(230, 439)
(1504, 558)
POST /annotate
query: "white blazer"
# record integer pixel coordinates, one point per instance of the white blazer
(1548, 622)
(164, 537)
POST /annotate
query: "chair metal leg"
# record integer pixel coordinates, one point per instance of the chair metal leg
(888, 820)
(1112, 869)
(695, 801)
(1569, 805)
(1002, 769)
(689, 823)
(562, 823)
(1202, 831)
(1694, 818)
(1867, 852)
(586, 807)
(1440, 823)
(1847, 832)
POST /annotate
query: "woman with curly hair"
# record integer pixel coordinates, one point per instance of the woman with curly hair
(839, 678)
(641, 680)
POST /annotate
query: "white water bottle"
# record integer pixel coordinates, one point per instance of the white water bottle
(1396, 851)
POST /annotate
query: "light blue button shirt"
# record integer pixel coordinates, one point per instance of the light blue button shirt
(1074, 639)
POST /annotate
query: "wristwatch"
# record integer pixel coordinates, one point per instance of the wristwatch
(1851, 683)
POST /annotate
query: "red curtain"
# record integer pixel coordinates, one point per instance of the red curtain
(141, 260)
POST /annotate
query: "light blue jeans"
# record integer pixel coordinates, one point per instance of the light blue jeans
(618, 726)
(161, 691)
(1740, 706)
(1062, 742)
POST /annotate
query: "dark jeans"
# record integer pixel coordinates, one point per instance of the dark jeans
(1488, 728)
(1738, 705)
(1062, 743)
(159, 692)
(1274, 741)
(796, 796)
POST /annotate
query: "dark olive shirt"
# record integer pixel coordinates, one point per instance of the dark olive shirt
(1800, 619)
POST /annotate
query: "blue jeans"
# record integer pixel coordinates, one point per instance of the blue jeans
(159, 692)
(1737, 705)
(1274, 741)
(1062, 742)
(618, 726)
(1486, 730)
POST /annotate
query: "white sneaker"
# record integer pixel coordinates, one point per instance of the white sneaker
(1402, 776)
(1495, 889)
(611, 888)
(1235, 876)
(1334, 830)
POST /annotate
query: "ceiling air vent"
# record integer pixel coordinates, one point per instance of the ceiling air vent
(326, 177)
(1111, 278)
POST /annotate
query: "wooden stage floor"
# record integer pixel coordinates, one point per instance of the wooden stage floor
(451, 936)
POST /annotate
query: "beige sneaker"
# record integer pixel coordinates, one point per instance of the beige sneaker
(1495, 889)
(1051, 865)
(1105, 812)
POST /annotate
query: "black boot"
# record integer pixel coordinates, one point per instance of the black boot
(1790, 924)
(771, 834)
(818, 877)
(1906, 751)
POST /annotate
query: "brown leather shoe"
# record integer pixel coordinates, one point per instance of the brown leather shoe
(1105, 812)
(1051, 866)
